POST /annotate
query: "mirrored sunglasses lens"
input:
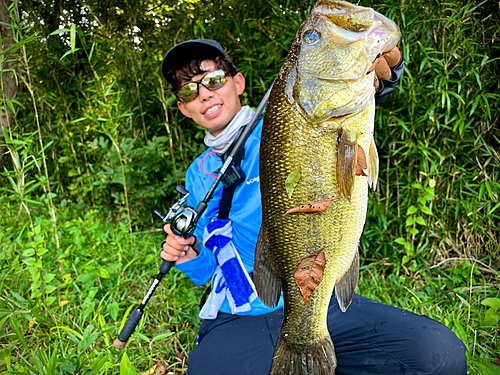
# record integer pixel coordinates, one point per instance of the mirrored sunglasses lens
(214, 80)
(188, 92)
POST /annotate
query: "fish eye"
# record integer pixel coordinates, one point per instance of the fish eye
(311, 36)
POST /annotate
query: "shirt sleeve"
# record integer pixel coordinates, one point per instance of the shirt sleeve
(201, 268)
(387, 86)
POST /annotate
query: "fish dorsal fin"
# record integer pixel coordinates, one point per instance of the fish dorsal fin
(346, 164)
(345, 286)
(372, 165)
(267, 283)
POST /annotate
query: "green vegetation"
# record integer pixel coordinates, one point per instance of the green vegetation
(92, 142)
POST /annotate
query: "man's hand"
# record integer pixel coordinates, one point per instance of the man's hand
(176, 248)
(383, 64)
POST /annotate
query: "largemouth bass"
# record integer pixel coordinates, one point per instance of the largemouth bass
(318, 134)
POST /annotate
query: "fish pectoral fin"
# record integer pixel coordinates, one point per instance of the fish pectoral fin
(266, 281)
(372, 165)
(347, 158)
(345, 286)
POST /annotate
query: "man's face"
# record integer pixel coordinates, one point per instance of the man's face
(214, 110)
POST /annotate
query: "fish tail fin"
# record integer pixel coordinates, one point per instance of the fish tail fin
(298, 359)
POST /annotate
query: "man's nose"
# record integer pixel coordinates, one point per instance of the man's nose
(204, 93)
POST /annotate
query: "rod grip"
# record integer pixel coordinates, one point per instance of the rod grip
(130, 325)
(166, 266)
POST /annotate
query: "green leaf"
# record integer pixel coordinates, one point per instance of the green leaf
(19, 334)
(113, 309)
(492, 302)
(126, 367)
(28, 253)
(420, 221)
(163, 336)
(72, 34)
(29, 261)
(460, 332)
(37, 229)
(103, 273)
(409, 221)
(292, 180)
(485, 367)
(491, 318)
(41, 251)
(405, 259)
(87, 342)
(411, 210)
(400, 240)
(60, 31)
(432, 183)
(50, 300)
(49, 289)
(48, 277)
(69, 52)
(414, 231)
(426, 210)
(416, 185)
(70, 330)
(407, 246)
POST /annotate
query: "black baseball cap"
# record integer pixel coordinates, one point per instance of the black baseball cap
(194, 49)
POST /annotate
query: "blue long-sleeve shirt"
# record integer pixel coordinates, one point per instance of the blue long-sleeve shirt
(245, 214)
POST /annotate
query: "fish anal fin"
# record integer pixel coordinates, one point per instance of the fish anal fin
(345, 286)
(346, 164)
(266, 281)
(372, 165)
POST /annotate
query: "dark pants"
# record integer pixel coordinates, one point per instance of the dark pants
(369, 338)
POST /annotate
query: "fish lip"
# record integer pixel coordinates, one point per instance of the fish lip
(210, 106)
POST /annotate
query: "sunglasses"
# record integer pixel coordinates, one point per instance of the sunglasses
(212, 81)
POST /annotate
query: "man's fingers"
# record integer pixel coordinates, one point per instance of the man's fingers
(167, 230)
(170, 253)
(171, 243)
(392, 57)
(169, 257)
(374, 64)
(376, 82)
(382, 69)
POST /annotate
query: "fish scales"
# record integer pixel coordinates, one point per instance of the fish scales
(320, 112)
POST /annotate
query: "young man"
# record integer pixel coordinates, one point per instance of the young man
(239, 333)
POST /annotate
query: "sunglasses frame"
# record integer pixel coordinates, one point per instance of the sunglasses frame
(200, 82)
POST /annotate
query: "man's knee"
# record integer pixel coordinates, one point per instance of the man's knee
(439, 351)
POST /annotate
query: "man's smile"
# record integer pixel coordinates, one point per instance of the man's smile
(212, 109)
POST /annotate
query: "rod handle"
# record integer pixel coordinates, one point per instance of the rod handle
(166, 266)
(128, 329)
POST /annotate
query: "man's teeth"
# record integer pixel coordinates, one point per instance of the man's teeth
(213, 109)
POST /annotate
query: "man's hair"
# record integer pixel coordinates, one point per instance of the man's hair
(176, 77)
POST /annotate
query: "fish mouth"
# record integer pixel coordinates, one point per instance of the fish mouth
(339, 116)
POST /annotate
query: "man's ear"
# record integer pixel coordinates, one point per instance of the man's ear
(239, 81)
(183, 109)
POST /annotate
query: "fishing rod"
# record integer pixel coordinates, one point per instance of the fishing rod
(183, 220)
